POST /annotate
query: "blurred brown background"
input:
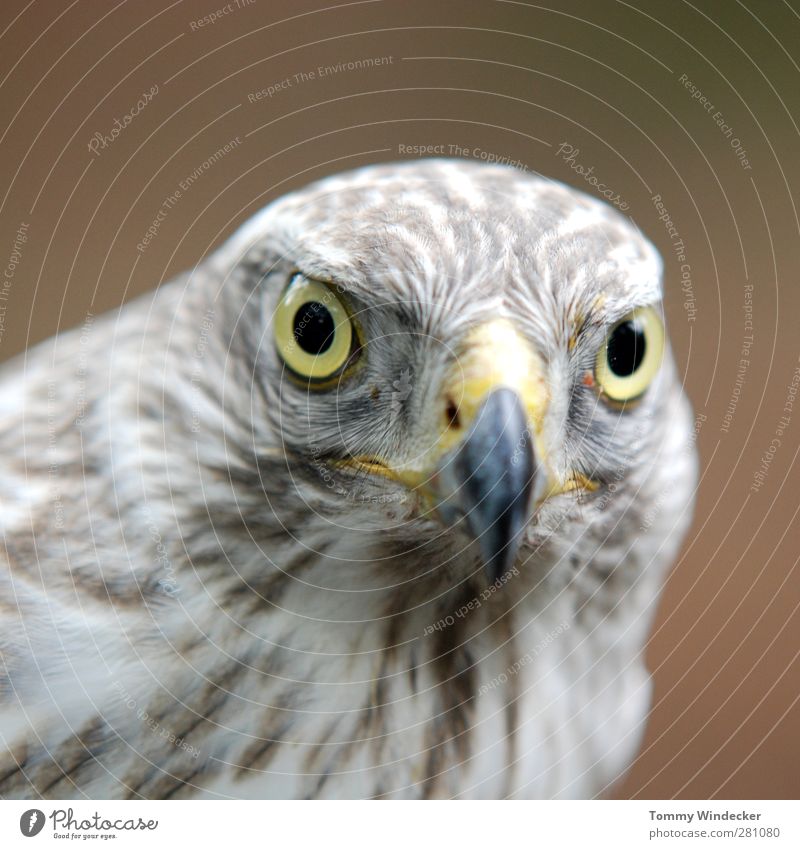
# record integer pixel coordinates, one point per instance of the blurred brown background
(515, 80)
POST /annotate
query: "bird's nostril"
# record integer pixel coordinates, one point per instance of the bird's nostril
(451, 414)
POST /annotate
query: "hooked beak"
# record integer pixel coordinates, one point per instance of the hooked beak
(486, 469)
(482, 472)
(487, 481)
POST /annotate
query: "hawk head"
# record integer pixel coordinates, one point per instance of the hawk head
(454, 355)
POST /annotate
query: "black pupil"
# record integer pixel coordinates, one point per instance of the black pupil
(313, 328)
(626, 348)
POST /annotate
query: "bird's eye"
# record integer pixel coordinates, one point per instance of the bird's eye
(313, 329)
(630, 358)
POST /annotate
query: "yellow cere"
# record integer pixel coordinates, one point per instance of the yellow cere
(495, 355)
(491, 356)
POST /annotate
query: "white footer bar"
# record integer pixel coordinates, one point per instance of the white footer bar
(385, 825)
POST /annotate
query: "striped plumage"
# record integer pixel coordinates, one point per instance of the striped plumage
(197, 599)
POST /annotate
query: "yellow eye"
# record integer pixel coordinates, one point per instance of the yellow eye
(629, 360)
(313, 329)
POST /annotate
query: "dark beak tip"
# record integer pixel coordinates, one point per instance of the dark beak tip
(494, 475)
(500, 545)
(496, 568)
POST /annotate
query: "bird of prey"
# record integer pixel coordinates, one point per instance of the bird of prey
(376, 501)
